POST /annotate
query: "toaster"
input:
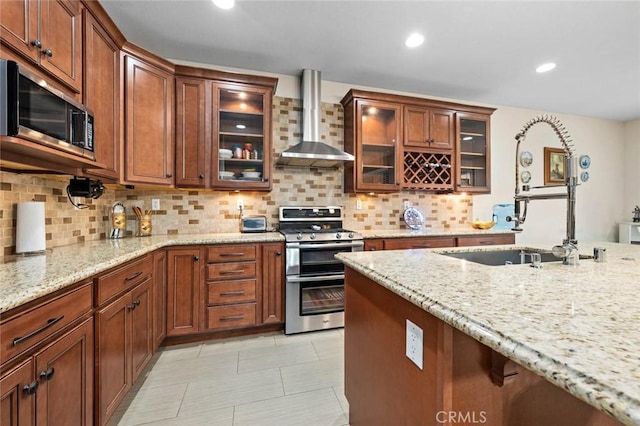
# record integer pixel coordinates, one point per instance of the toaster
(253, 224)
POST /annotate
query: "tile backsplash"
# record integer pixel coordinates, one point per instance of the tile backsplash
(200, 211)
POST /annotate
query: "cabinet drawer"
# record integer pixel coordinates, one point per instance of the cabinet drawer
(231, 316)
(231, 253)
(120, 279)
(231, 270)
(22, 332)
(486, 240)
(417, 243)
(231, 292)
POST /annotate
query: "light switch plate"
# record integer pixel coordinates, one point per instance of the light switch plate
(406, 204)
(155, 204)
(414, 344)
(358, 204)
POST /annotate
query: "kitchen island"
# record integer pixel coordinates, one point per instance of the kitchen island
(575, 326)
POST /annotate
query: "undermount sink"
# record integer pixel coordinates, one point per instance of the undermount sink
(519, 256)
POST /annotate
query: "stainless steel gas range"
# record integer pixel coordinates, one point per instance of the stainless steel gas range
(314, 294)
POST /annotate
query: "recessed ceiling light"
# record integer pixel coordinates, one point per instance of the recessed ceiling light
(224, 4)
(545, 67)
(414, 40)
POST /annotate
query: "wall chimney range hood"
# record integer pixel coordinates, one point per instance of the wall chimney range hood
(311, 152)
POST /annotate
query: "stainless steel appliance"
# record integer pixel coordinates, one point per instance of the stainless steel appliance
(314, 294)
(31, 109)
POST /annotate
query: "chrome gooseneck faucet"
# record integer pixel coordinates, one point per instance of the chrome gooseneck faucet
(568, 251)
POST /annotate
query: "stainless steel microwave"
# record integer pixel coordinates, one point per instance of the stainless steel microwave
(33, 110)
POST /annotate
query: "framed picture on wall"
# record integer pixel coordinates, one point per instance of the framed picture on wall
(555, 166)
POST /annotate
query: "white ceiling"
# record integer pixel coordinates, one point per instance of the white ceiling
(477, 51)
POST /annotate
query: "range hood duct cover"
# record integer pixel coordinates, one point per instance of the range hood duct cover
(311, 152)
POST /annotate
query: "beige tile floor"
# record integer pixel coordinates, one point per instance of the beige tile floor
(264, 380)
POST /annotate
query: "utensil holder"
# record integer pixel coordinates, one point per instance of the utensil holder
(144, 226)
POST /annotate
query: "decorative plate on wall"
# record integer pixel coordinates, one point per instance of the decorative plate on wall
(584, 176)
(413, 218)
(526, 158)
(525, 176)
(585, 161)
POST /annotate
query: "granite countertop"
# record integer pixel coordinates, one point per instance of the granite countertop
(403, 233)
(575, 325)
(26, 278)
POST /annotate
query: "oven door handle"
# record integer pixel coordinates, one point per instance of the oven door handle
(331, 245)
(311, 279)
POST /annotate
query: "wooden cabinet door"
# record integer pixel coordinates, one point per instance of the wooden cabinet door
(184, 272)
(419, 243)
(192, 132)
(473, 171)
(272, 283)
(101, 95)
(141, 310)
(61, 36)
(159, 298)
(375, 244)
(148, 124)
(65, 374)
(19, 27)
(16, 406)
(113, 356)
(429, 128)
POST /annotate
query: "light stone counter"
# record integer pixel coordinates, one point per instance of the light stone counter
(25, 278)
(577, 326)
(405, 233)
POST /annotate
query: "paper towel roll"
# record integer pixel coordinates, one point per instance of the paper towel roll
(30, 234)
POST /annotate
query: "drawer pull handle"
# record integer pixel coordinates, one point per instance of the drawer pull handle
(48, 374)
(233, 318)
(486, 242)
(232, 293)
(49, 323)
(231, 254)
(240, 271)
(31, 388)
(134, 276)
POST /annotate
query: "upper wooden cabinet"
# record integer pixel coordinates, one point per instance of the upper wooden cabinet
(223, 129)
(374, 139)
(429, 156)
(101, 95)
(473, 172)
(47, 33)
(429, 128)
(148, 121)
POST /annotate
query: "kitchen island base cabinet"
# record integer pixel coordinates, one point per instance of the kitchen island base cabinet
(384, 387)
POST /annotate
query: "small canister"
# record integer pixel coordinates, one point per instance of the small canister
(600, 254)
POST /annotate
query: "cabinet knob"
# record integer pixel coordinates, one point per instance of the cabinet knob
(31, 388)
(36, 43)
(278, 253)
(47, 52)
(48, 374)
(372, 249)
(201, 176)
(196, 258)
(169, 175)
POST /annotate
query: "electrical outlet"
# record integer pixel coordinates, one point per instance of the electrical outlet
(414, 344)
(406, 204)
(155, 204)
(240, 204)
(358, 204)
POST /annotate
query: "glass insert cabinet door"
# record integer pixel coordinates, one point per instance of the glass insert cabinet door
(473, 153)
(379, 137)
(243, 148)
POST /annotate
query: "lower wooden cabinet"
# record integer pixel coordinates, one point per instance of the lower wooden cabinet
(124, 345)
(184, 272)
(159, 298)
(419, 242)
(272, 283)
(54, 385)
(485, 240)
(373, 244)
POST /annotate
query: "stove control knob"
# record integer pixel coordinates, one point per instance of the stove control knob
(338, 235)
(313, 236)
(299, 236)
(350, 234)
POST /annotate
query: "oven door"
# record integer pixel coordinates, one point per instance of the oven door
(315, 259)
(314, 303)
